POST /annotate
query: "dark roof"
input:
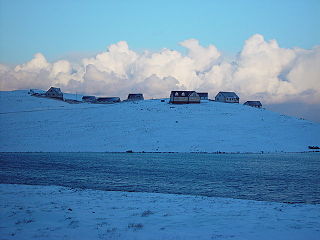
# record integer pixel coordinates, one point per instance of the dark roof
(135, 95)
(186, 93)
(229, 94)
(55, 89)
(108, 99)
(253, 103)
(88, 97)
(203, 94)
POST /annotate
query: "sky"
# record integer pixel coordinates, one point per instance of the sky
(261, 49)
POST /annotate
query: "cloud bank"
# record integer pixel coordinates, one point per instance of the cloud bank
(262, 70)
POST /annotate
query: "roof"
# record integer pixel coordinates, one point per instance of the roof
(255, 103)
(203, 94)
(55, 89)
(108, 99)
(88, 97)
(181, 93)
(229, 94)
(135, 94)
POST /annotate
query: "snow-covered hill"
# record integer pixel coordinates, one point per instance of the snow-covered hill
(39, 124)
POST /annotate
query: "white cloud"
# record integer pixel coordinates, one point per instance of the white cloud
(262, 70)
(203, 58)
(38, 63)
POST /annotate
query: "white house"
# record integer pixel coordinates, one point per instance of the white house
(227, 97)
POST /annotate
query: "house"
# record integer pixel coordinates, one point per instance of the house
(54, 92)
(256, 104)
(184, 97)
(108, 99)
(89, 99)
(227, 97)
(203, 95)
(135, 97)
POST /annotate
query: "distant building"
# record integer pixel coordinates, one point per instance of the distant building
(203, 95)
(135, 97)
(54, 93)
(108, 99)
(184, 97)
(91, 99)
(36, 92)
(227, 97)
(256, 104)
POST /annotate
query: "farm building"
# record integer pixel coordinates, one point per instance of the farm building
(256, 104)
(135, 97)
(184, 97)
(227, 97)
(54, 92)
(89, 99)
(203, 95)
(36, 92)
(108, 99)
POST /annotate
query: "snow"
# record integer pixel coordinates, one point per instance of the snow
(52, 212)
(33, 124)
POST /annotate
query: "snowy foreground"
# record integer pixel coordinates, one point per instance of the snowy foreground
(52, 212)
(33, 124)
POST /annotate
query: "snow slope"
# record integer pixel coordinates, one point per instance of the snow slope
(30, 123)
(50, 212)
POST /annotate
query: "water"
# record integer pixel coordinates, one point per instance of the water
(267, 177)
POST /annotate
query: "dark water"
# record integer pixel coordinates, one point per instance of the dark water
(268, 177)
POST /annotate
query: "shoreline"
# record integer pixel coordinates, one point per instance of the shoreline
(147, 152)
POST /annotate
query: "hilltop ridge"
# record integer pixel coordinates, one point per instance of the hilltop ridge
(32, 124)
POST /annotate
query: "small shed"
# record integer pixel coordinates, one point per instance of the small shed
(203, 95)
(256, 104)
(90, 99)
(135, 97)
(184, 97)
(227, 97)
(108, 99)
(54, 92)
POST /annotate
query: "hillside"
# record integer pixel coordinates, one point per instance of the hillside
(38, 124)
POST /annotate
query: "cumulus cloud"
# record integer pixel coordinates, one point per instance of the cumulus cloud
(262, 70)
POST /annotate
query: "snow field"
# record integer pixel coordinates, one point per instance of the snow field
(52, 212)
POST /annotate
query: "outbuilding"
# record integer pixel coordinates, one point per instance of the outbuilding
(203, 95)
(256, 104)
(54, 92)
(90, 99)
(108, 99)
(135, 97)
(227, 97)
(184, 97)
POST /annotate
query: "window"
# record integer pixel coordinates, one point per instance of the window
(176, 94)
(183, 94)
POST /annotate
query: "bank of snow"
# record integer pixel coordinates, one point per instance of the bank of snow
(34, 124)
(38, 212)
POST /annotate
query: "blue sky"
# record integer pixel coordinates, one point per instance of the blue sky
(58, 28)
